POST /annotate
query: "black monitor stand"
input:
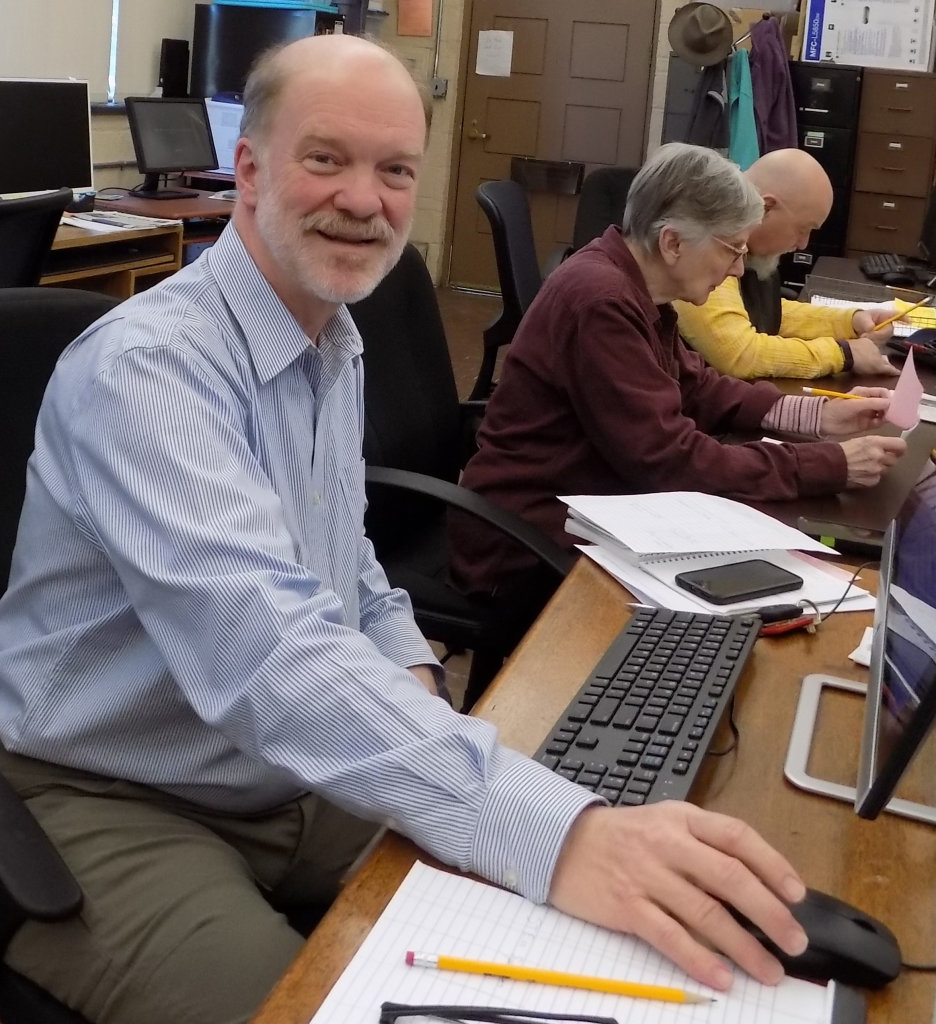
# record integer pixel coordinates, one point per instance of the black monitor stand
(150, 189)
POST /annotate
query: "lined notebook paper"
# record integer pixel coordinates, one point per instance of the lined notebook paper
(437, 912)
(922, 317)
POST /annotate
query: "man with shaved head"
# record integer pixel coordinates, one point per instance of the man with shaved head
(746, 329)
(210, 696)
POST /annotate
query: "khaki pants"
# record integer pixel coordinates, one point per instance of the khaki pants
(178, 922)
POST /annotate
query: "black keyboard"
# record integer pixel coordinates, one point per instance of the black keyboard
(639, 727)
(877, 264)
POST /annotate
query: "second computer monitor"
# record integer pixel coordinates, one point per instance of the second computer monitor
(901, 702)
(169, 136)
(45, 131)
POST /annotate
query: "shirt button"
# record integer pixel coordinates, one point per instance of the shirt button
(316, 498)
(511, 878)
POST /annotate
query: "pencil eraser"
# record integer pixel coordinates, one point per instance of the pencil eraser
(409, 957)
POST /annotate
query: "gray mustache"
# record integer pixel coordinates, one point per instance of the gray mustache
(349, 228)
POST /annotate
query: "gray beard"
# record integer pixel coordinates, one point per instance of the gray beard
(763, 266)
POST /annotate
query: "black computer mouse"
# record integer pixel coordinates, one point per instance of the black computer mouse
(845, 944)
(899, 280)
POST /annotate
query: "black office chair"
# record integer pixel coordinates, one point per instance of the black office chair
(601, 202)
(35, 325)
(27, 230)
(417, 437)
(507, 209)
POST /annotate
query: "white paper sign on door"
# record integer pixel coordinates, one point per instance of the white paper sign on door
(495, 51)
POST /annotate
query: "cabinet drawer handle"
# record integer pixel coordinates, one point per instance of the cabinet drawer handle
(896, 170)
(901, 110)
(895, 145)
(884, 227)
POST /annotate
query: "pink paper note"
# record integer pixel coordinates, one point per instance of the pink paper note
(904, 410)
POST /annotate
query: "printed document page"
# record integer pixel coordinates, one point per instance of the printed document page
(440, 913)
(674, 522)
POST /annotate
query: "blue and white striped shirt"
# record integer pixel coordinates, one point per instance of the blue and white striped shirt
(193, 604)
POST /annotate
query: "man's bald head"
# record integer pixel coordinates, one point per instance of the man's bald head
(797, 198)
(323, 62)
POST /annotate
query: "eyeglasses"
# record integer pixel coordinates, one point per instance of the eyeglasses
(739, 253)
(392, 1012)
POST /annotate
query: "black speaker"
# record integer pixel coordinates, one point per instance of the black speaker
(174, 67)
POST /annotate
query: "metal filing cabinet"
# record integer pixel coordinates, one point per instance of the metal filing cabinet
(827, 100)
(894, 162)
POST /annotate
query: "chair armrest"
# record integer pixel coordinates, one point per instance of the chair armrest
(34, 880)
(532, 538)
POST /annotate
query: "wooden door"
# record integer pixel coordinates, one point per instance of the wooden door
(579, 90)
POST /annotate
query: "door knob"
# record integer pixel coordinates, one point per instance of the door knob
(474, 132)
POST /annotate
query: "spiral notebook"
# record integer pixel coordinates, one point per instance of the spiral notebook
(644, 540)
(642, 526)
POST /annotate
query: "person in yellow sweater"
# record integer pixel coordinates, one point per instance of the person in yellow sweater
(746, 329)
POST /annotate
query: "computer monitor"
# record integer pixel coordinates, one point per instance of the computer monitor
(45, 129)
(901, 702)
(226, 39)
(169, 136)
(900, 698)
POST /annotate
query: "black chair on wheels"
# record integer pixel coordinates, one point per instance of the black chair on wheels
(507, 208)
(27, 230)
(601, 202)
(35, 325)
(417, 437)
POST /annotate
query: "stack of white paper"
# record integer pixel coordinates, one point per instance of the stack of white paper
(644, 540)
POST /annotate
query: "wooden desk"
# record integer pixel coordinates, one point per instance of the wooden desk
(200, 206)
(886, 866)
(117, 263)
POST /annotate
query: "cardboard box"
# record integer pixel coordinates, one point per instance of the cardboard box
(896, 34)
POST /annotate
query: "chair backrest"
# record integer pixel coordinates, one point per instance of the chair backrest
(27, 230)
(601, 202)
(412, 418)
(507, 207)
(35, 326)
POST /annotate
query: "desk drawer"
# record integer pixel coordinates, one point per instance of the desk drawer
(882, 223)
(896, 164)
(898, 103)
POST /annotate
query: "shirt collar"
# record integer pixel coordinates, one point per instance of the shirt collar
(272, 334)
(612, 241)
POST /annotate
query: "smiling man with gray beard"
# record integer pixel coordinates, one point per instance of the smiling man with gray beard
(746, 329)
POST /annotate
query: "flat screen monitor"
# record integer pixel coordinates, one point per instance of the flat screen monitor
(901, 701)
(226, 39)
(45, 131)
(169, 136)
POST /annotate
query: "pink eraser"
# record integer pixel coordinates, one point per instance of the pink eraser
(409, 957)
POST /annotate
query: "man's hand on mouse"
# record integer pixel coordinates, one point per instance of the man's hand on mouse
(662, 873)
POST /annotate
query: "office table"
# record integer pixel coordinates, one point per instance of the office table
(888, 866)
(113, 262)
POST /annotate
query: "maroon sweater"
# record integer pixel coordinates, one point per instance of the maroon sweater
(599, 395)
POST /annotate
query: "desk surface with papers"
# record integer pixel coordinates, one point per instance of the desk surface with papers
(885, 866)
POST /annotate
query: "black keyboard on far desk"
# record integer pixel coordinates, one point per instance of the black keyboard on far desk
(639, 727)
(877, 264)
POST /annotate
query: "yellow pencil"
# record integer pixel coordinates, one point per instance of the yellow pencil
(831, 394)
(925, 301)
(547, 977)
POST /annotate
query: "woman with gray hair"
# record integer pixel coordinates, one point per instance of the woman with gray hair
(599, 394)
